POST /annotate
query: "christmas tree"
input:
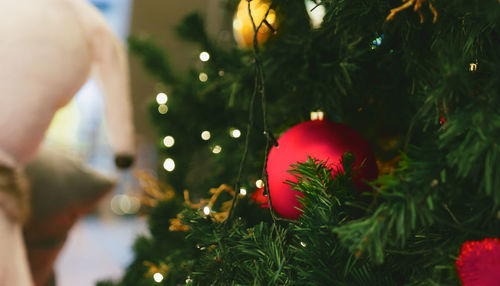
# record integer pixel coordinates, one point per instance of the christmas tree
(418, 81)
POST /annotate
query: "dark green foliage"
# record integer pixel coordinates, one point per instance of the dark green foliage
(393, 82)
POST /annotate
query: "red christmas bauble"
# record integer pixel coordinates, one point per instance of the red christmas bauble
(319, 139)
(479, 262)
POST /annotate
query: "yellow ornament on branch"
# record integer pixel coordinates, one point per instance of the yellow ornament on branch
(153, 191)
(243, 29)
(205, 206)
(417, 5)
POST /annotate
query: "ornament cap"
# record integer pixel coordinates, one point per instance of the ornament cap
(317, 115)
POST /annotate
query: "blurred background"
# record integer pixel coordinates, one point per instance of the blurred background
(100, 244)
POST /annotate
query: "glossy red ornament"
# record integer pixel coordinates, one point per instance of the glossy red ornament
(479, 262)
(259, 198)
(319, 139)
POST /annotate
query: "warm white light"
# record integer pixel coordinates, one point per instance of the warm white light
(205, 135)
(317, 115)
(162, 109)
(115, 205)
(158, 277)
(204, 56)
(243, 191)
(169, 165)
(203, 77)
(303, 244)
(316, 13)
(217, 149)
(206, 210)
(473, 67)
(168, 141)
(161, 98)
(221, 73)
(259, 184)
(235, 133)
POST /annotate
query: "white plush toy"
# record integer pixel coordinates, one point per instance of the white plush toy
(48, 49)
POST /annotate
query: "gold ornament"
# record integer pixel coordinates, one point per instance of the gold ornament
(205, 206)
(416, 8)
(243, 30)
(153, 191)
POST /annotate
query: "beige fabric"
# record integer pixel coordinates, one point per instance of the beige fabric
(14, 268)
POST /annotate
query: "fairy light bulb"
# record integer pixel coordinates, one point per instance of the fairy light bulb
(168, 141)
(203, 77)
(217, 149)
(206, 210)
(316, 13)
(161, 98)
(205, 135)
(235, 133)
(158, 277)
(162, 109)
(204, 56)
(259, 184)
(169, 164)
(243, 191)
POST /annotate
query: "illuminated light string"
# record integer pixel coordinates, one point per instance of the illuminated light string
(205, 135)
(235, 133)
(161, 98)
(243, 191)
(217, 149)
(158, 277)
(168, 141)
(204, 56)
(259, 183)
(317, 115)
(124, 204)
(203, 77)
(163, 109)
(169, 164)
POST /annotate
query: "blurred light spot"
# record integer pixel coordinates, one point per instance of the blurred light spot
(206, 210)
(204, 56)
(169, 164)
(377, 42)
(158, 277)
(221, 73)
(161, 98)
(259, 184)
(243, 191)
(316, 13)
(235, 133)
(473, 67)
(303, 244)
(217, 149)
(203, 77)
(168, 141)
(163, 109)
(317, 115)
(205, 135)
(124, 204)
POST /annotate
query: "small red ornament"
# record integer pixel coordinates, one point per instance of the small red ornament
(319, 139)
(479, 262)
(259, 198)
